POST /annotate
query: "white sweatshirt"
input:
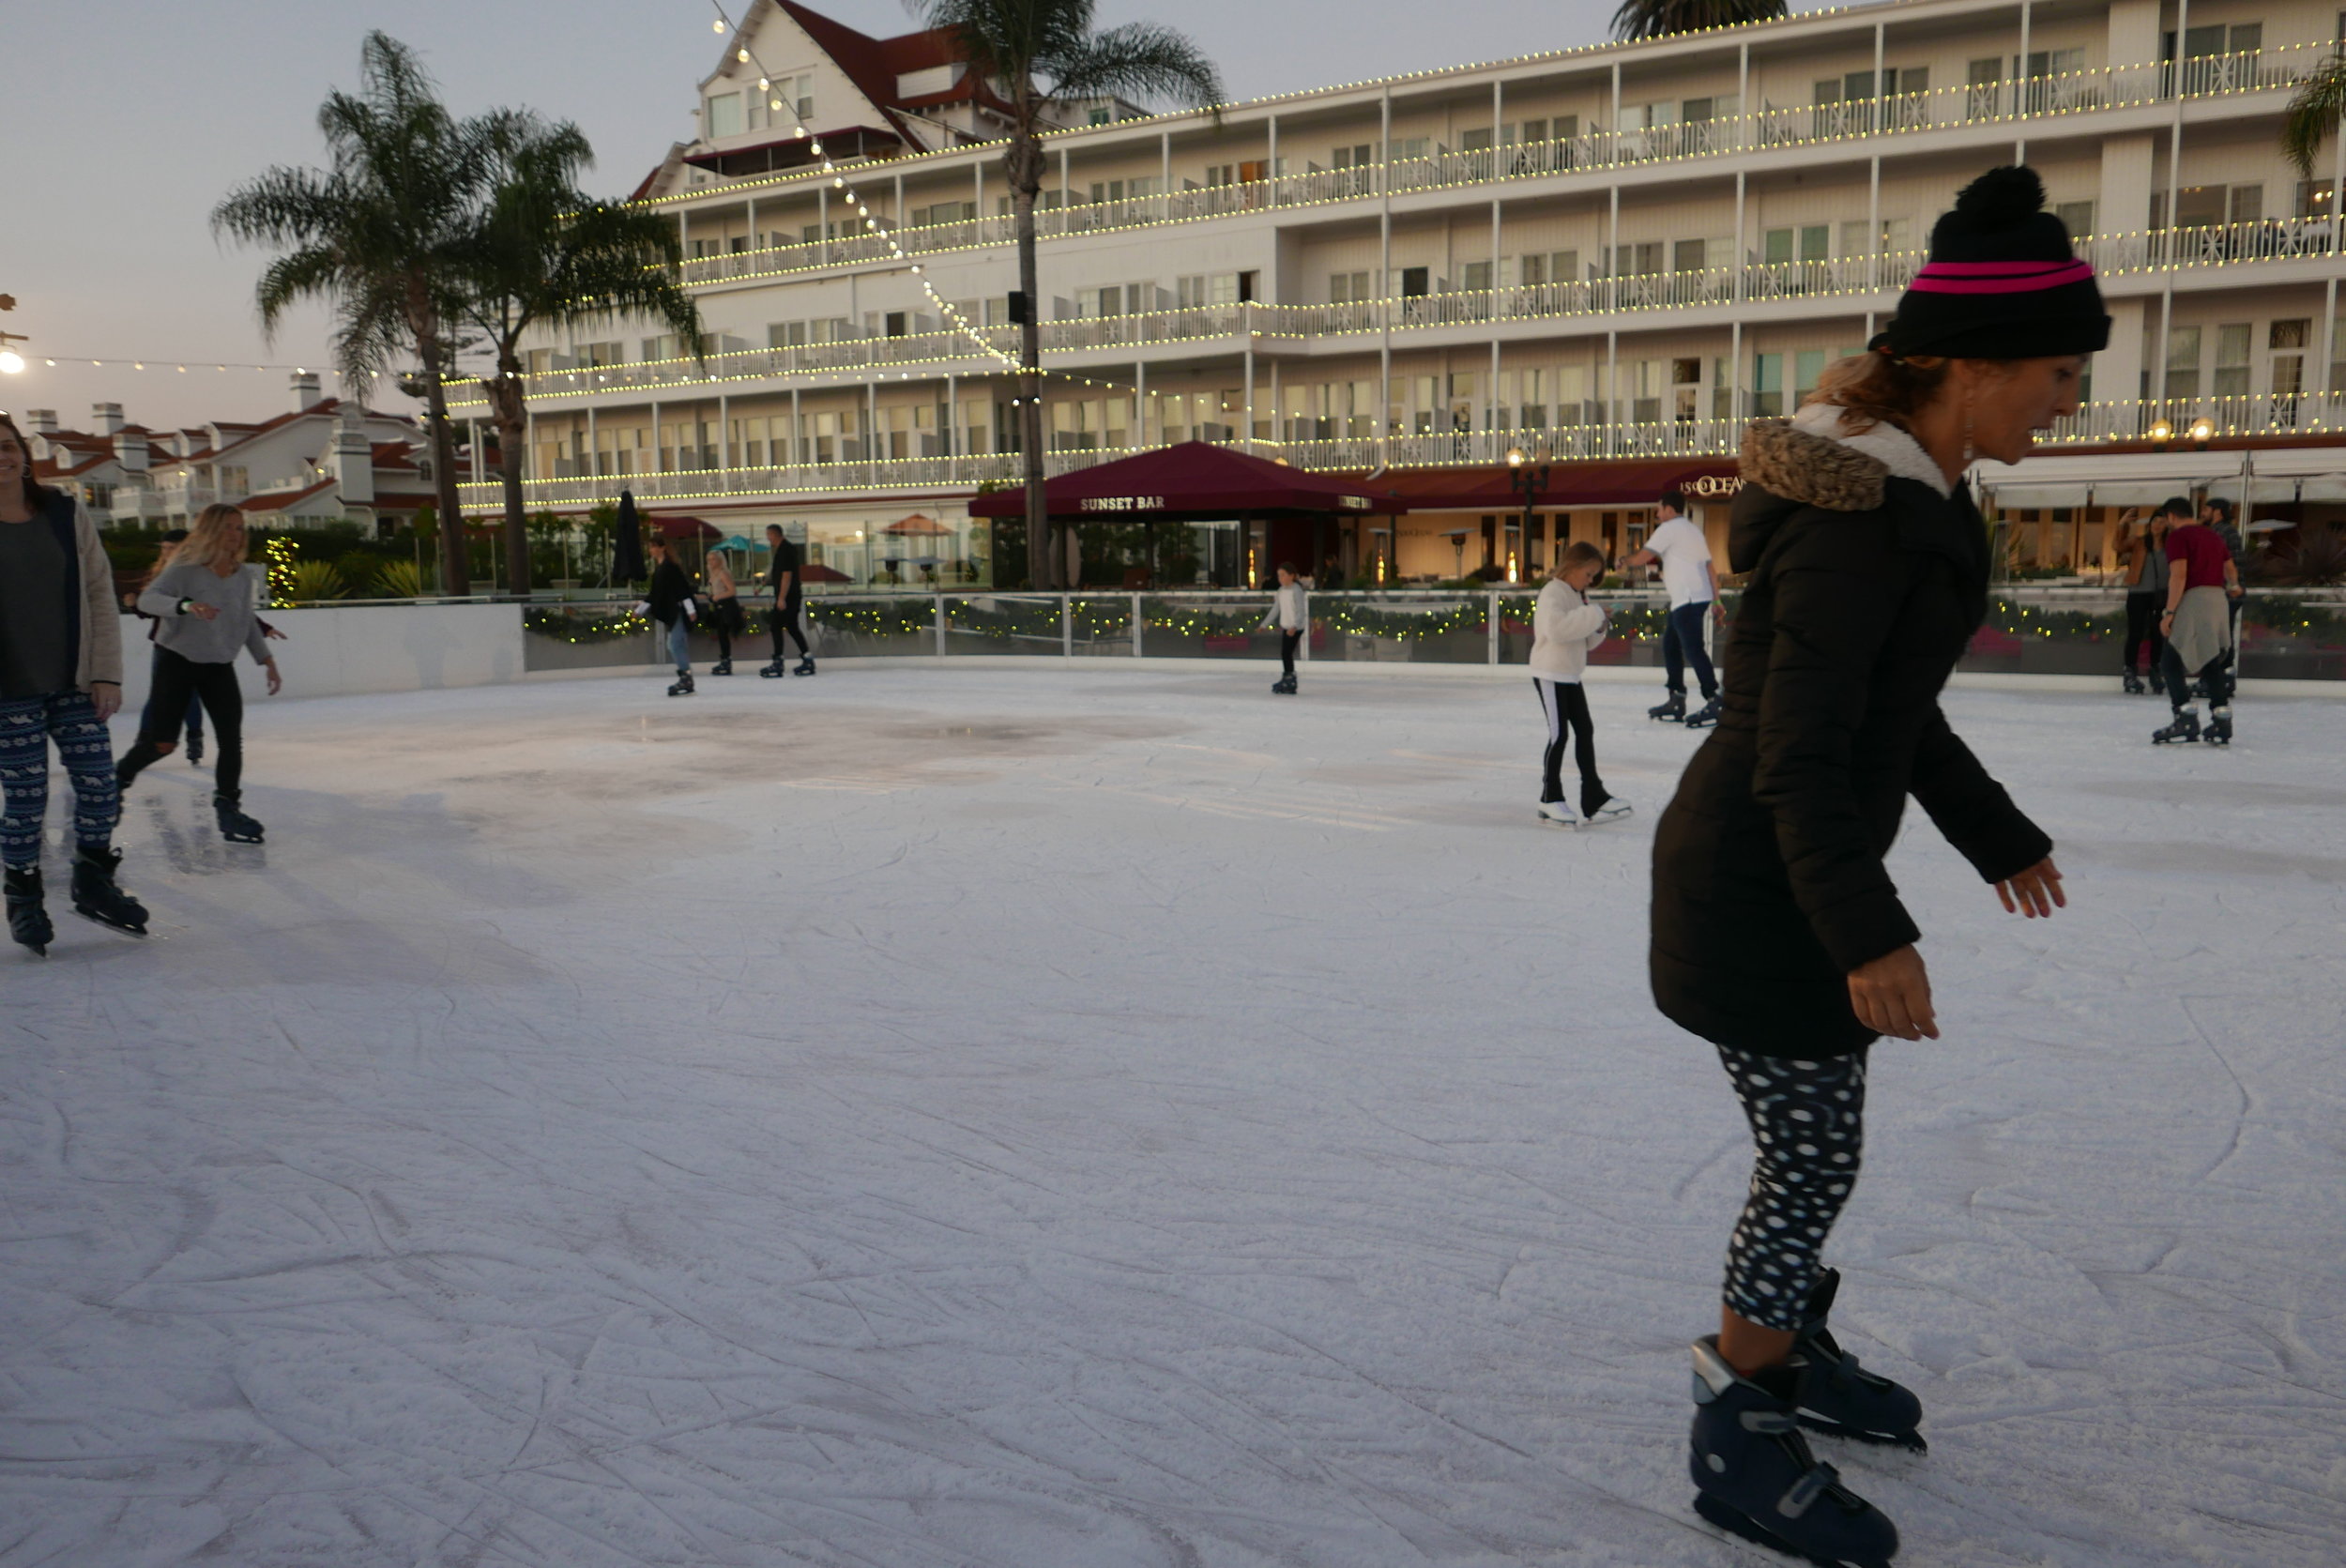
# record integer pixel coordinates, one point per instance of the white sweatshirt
(1565, 630)
(1287, 609)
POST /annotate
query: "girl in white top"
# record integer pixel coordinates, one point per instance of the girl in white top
(1565, 630)
(1293, 616)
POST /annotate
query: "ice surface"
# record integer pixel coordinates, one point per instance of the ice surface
(980, 1117)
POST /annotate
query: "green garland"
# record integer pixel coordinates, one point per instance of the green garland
(574, 630)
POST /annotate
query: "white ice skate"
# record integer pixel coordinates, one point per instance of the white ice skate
(1611, 810)
(1556, 813)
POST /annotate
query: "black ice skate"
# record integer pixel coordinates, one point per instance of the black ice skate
(97, 898)
(234, 826)
(683, 687)
(1671, 712)
(773, 670)
(1705, 716)
(2185, 729)
(806, 666)
(2133, 684)
(1755, 1476)
(1840, 1398)
(195, 751)
(2218, 727)
(28, 918)
(722, 666)
(1283, 686)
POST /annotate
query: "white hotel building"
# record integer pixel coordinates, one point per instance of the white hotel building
(1608, 256)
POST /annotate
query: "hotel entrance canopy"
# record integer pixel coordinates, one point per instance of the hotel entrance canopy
(1194, 483)
(1626, 481)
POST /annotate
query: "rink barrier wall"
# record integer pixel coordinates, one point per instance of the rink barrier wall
(2036, 639)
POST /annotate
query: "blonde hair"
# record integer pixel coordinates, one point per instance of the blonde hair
(1579, 552)
(217, 536)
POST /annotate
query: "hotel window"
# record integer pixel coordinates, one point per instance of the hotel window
(1555, 267)
(1686, 256)
(2338, 329)
(2314, 198)
(1767, 386)
(1346, 288)
(1811, 242)
(1807, 370)
(1475, 276)
(1722, 390)
(2183, 362)
(2077, 217)
(2287, 341)
(2201, 206)
(725, 116)
(2231, 360)
(1532, 413)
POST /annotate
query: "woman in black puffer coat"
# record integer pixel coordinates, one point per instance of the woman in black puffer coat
(1777, 933)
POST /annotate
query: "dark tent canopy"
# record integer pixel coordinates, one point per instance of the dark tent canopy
(1195, 481)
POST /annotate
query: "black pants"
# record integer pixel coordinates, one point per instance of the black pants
(1286, 652)
(1808, 1121)
(2142, 636)
(1567, 708)
(175, 680)
(2217, 672)
(784, 617)
(721, 616)
(195, 705)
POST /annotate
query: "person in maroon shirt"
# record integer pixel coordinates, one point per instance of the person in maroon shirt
(2202, 582)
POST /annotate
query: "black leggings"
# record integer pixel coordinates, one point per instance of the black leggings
(1808, 1120)
(2217, 672)
(2142, 636)
(1286, 651)
(1567, 708)
(720, 614)
(176, 679)
(784, 617)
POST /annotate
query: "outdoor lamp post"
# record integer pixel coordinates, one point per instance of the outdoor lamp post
(1529, 480)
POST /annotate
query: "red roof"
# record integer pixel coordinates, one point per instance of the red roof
(684, 527)
(278, 500)
(1194, 478)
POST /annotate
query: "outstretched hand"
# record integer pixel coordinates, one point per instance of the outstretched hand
(2035, 893)
(1890, 995)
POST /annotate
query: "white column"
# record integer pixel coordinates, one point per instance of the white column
(795, 429)
(2326, 348)
(594, 458)
(1384, 278)
(1873, 223)
(724, 439)
(1246, 320)
(1141, 402)
(1743, 246)
(2020, 108)
(2174, 181)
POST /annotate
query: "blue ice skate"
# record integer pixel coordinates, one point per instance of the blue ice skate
(1755, 1476)
(1838, 1397)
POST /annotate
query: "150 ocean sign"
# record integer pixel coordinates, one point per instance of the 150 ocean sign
(1714, 487)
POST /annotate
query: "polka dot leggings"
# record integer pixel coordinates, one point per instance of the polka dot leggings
(1809, 1121)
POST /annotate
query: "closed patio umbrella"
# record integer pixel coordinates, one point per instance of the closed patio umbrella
(626, 542)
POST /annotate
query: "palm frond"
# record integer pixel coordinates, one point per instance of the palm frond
(1657, 18)
(1139, 60)
(2314, 112)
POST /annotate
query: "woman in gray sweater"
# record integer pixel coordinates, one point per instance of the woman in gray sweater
(203, 603)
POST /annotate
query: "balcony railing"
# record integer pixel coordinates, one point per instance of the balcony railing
(1768, 127)
(1594, 437)
(2278, 239)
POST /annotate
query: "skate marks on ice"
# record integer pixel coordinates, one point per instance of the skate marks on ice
(1002, 1170)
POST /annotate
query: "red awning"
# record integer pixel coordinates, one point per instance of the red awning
(1195, 480)
(795, 152)
(1625, 481)
(684, 529)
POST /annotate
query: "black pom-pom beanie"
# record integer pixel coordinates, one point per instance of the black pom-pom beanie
(2001, 282)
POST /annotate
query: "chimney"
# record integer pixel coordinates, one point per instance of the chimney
(305, 391)
(129, 444)
(40, 422)
(353, 458)
(105, 417)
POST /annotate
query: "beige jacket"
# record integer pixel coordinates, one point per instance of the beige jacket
(99, 657)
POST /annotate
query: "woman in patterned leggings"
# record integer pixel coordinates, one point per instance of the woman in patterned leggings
(1778, 936)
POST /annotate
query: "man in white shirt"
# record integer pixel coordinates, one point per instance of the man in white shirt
(1684, 556)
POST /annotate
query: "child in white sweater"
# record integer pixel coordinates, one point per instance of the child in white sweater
(1565, 630)
(1291, 616)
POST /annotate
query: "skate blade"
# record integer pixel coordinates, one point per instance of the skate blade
(1738, 1523)
(1912, 1442)
(101, 919)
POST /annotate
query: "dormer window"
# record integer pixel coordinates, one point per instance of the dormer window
(723, 117)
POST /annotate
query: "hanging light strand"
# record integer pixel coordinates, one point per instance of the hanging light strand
(745, 55)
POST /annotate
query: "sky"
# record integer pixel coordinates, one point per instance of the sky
(115, 142)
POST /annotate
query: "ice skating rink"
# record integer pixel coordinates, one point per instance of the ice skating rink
(1113, 1117)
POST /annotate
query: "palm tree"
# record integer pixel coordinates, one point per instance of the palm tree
(1659, 19)
(377, 237)
(2314, 114)
(545, 255)
(1018, 46)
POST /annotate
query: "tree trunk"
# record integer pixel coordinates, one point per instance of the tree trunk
(1025, 159)
(512, 426)
(455, 569)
